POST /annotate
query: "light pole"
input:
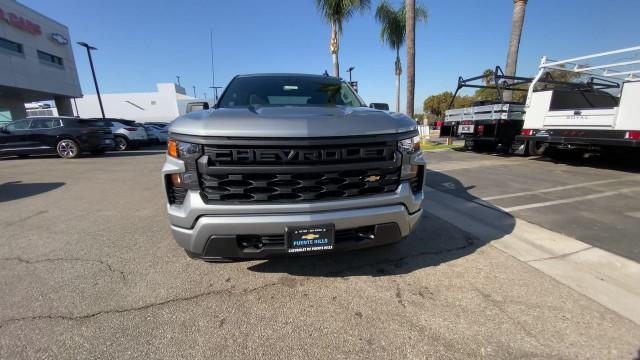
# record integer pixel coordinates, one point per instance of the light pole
(93, 72)
(349, 71)
(178, 77)
(194, 92)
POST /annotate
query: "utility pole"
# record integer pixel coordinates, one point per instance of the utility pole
(93, 72)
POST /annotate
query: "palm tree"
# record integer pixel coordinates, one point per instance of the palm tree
(517, 21)
(412, 15)
(393, 31)
(487, 77)
(337, 12)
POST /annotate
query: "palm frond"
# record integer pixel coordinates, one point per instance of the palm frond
(339, 11)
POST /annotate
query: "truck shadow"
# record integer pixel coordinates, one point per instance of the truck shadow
(435, 241)
(15, 190)
(627, 162)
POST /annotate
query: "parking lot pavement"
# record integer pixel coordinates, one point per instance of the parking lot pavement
(596, 201)
(88, 269)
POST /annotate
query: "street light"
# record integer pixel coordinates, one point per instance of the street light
(194, 92)
(349, 71)
(93, 72)
(178, 77)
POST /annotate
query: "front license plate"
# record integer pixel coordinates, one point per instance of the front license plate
(310, 238)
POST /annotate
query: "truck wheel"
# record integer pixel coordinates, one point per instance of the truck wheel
(121, 143)
(68, 149)
(537, 148)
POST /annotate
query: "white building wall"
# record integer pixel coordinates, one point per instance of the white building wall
(162, 105)
(27, 71)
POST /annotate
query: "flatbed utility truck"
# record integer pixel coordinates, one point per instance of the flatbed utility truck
(487, 124)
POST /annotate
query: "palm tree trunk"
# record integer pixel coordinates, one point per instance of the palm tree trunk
(398, 73)
(333, 48)
(411, 54)
(517, 21)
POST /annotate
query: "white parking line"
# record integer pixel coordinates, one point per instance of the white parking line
(570, 200)
(559, 188)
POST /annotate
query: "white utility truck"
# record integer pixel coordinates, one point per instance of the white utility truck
(596, 108)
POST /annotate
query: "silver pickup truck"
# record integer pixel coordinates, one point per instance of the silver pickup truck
(291, 164)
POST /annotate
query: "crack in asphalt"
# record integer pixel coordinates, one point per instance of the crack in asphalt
(101, 262)
(469, 243)
(11, 223)
(140, 308)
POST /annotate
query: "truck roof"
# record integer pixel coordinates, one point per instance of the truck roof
(290, 74)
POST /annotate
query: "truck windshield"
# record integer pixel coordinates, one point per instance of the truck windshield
(283, 90)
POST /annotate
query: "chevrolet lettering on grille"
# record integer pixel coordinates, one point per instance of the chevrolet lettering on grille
(294, 155)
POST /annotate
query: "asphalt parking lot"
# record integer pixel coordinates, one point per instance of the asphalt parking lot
(88, 269)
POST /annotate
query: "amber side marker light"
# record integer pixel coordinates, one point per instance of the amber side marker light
(172, 148)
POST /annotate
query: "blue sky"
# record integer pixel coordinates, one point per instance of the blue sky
(144, 42)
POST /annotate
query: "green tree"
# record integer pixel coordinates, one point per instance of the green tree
(439, 103)
(393, 31)
(336, 12)
(517, 21)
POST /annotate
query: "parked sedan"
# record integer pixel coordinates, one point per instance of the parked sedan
(66, 136)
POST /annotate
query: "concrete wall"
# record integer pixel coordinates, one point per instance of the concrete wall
(163, 105)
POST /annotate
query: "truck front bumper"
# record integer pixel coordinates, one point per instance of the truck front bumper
(212, 231)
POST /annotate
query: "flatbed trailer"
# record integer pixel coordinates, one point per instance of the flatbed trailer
(600, 114)
(488, 124)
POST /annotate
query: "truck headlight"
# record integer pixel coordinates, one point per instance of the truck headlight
(412, 162)
(179, 183)
(409, 145)
(182, 150)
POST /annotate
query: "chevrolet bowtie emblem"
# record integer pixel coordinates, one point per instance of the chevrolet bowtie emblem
(372, 178)
(310, 236)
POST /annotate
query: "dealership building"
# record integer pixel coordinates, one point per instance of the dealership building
(36, 62)
(163, 105)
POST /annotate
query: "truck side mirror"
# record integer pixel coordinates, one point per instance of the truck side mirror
(197, 106)
(379, 106)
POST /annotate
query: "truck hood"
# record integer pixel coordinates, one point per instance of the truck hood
(291, 121)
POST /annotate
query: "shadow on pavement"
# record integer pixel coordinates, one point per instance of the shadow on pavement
(15, 190)
(436, 240)
(628, 161)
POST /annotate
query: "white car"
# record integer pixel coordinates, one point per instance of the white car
(156, 133)
(127, 134)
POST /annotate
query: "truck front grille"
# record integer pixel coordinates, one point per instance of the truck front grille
(300, 179)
